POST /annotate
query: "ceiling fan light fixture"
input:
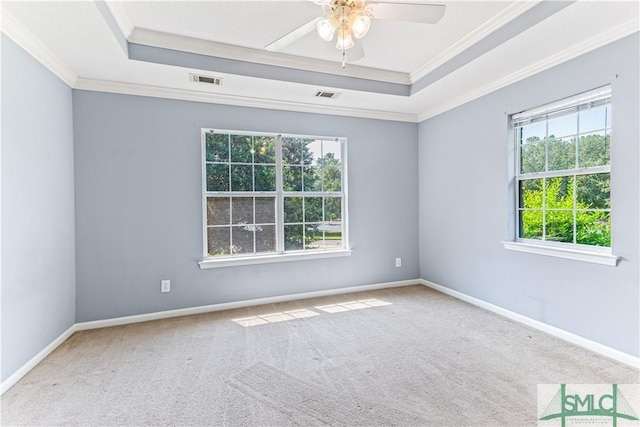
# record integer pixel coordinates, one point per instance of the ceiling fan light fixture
(360, 24)
(344, 39)
(326, 28)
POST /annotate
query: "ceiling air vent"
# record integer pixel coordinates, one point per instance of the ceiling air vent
(326, 94)
(206, 79)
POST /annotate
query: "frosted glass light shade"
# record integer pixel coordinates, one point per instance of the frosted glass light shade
(326, 28)
(344, 39)
(360, 25)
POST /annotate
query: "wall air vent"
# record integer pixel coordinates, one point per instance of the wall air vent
(217, 81)
(326, 94)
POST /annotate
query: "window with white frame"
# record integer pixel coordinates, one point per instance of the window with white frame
(270, 194)
(563, 171)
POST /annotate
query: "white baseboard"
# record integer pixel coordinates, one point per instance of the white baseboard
(237, 304)
(82, 326)
(536, 324)
(24, 369)
(567, 336)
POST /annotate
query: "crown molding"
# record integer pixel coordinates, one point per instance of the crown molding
(221, 50)
(120, 16)
(241, 101)
(27, 41)
(585, 46)
(505, 16)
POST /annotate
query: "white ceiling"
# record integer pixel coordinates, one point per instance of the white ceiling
(85, 48)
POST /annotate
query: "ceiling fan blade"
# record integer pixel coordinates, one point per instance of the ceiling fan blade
(412, 12)
(356, 53)
(293, 36)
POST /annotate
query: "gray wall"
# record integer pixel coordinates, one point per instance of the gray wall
(465, 205)
(139, 209)
(38, 247)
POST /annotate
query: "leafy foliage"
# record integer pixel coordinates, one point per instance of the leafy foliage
(248, 163)
(550, 208)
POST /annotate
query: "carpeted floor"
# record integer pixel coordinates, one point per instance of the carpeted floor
(401, 356)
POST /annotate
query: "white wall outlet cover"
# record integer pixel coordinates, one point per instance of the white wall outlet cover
(165, 286)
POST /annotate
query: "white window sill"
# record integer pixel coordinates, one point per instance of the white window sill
(268, 259)
(603, 257)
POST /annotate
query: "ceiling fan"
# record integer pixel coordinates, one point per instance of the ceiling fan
(349, 19)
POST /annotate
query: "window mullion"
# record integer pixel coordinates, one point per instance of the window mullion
(279, 197)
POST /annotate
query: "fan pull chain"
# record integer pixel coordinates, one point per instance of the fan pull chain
(344, 55)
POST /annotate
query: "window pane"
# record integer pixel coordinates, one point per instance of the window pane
(292, 209)
(242, 239)
(264, 149)
(594, 150)
(331, 150)
(531, 224)
(313, 237)
(265, 178)
(311, 151)
(313, 209)
(265, 238)
(532, 157)
(563, 126)
(293, 237)
(217, 147)
(218, 210)
(218, 241)
(533, 132)
(332, 236)
(242, 208)
(531, 193)
(291, 151)
(559, 193)
(332, 209)
(594, 191)
(265, 210)
(241, 148)
(241, 178)
(559, 226)
(217, 177)
(312, 181)
(331, 178)
(292, 178)
(561, 154)
(593, 228)
(593, 119)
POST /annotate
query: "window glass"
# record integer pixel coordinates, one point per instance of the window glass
(563, 177)
(258, 203)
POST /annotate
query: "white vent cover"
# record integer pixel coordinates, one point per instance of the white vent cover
(326, 94)
(217, 81)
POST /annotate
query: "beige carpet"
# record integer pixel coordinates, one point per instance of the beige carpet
(402, 356)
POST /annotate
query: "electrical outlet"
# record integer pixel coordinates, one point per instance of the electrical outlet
(398, 262)
(165, 286)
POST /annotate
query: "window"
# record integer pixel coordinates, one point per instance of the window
(563, 173)
(267, 195)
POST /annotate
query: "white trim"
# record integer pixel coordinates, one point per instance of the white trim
(237, 304)
(96, 324)
(595, 257)
(27, 41)
(585, 46)
(604, 350)
(242, 101)
(497, 21)
(121, 17)
(24, 369)
(269, 259)
(221, 50)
